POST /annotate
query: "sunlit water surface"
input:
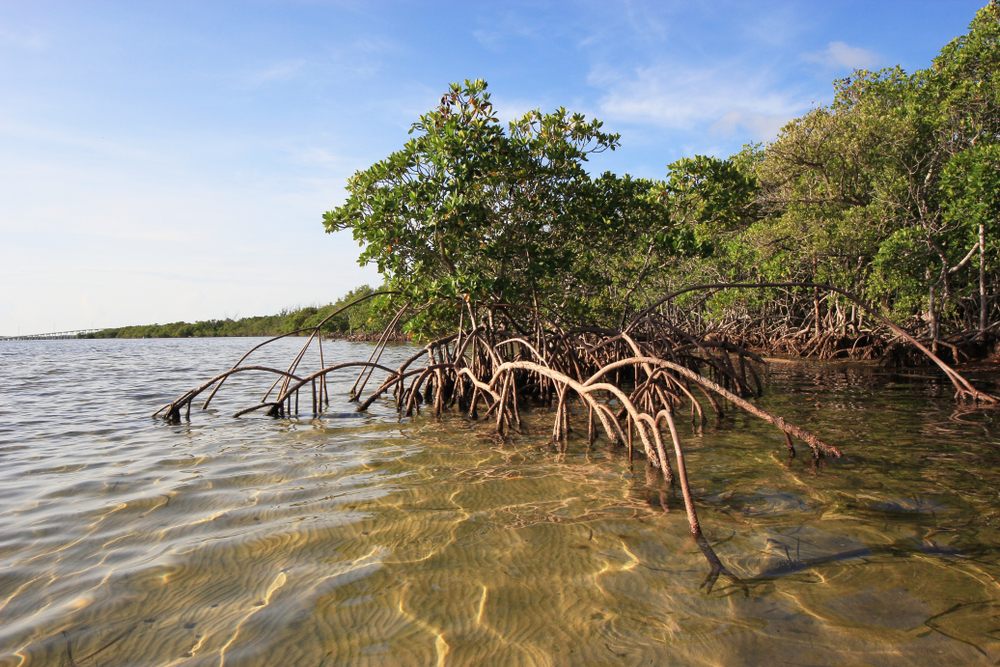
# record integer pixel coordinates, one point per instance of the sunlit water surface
(365, 540)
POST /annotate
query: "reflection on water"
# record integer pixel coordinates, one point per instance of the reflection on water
(368, 541)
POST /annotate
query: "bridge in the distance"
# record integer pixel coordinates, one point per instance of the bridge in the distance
(57, 335)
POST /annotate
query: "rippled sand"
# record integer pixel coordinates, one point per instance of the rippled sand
(367, 541)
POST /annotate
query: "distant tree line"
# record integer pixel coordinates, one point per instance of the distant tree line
(361, 321)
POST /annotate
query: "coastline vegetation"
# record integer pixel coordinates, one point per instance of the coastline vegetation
(358, 323)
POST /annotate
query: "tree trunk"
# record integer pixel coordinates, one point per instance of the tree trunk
(932, 308)
(819, 325)
(982, 282)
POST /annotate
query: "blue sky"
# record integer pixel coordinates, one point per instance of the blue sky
(172, 161)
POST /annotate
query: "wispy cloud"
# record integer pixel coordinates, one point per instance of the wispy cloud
(509, 27)
(280, 71)
(513, 109)
(722, 98)
(760, 126)
(366, 55)
(72, 139)
(839, 55)
(491, 40)
(774, 26)
(31, 42)
(357, 59)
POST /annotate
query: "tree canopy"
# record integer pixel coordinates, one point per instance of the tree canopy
(889, 192)
(470, 210)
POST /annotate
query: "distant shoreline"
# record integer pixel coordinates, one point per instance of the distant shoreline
(361, 337)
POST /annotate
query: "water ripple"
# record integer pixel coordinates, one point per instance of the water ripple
(365, 540)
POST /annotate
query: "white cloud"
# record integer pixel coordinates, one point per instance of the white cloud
(724, 97)
(760, 126)
(840, 55)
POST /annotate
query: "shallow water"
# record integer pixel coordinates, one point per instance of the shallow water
(370, 541)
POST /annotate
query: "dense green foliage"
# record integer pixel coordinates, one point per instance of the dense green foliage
(469, 211)
(361, 319)
(886, 193)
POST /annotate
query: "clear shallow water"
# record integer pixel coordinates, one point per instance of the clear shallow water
(367, 541)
